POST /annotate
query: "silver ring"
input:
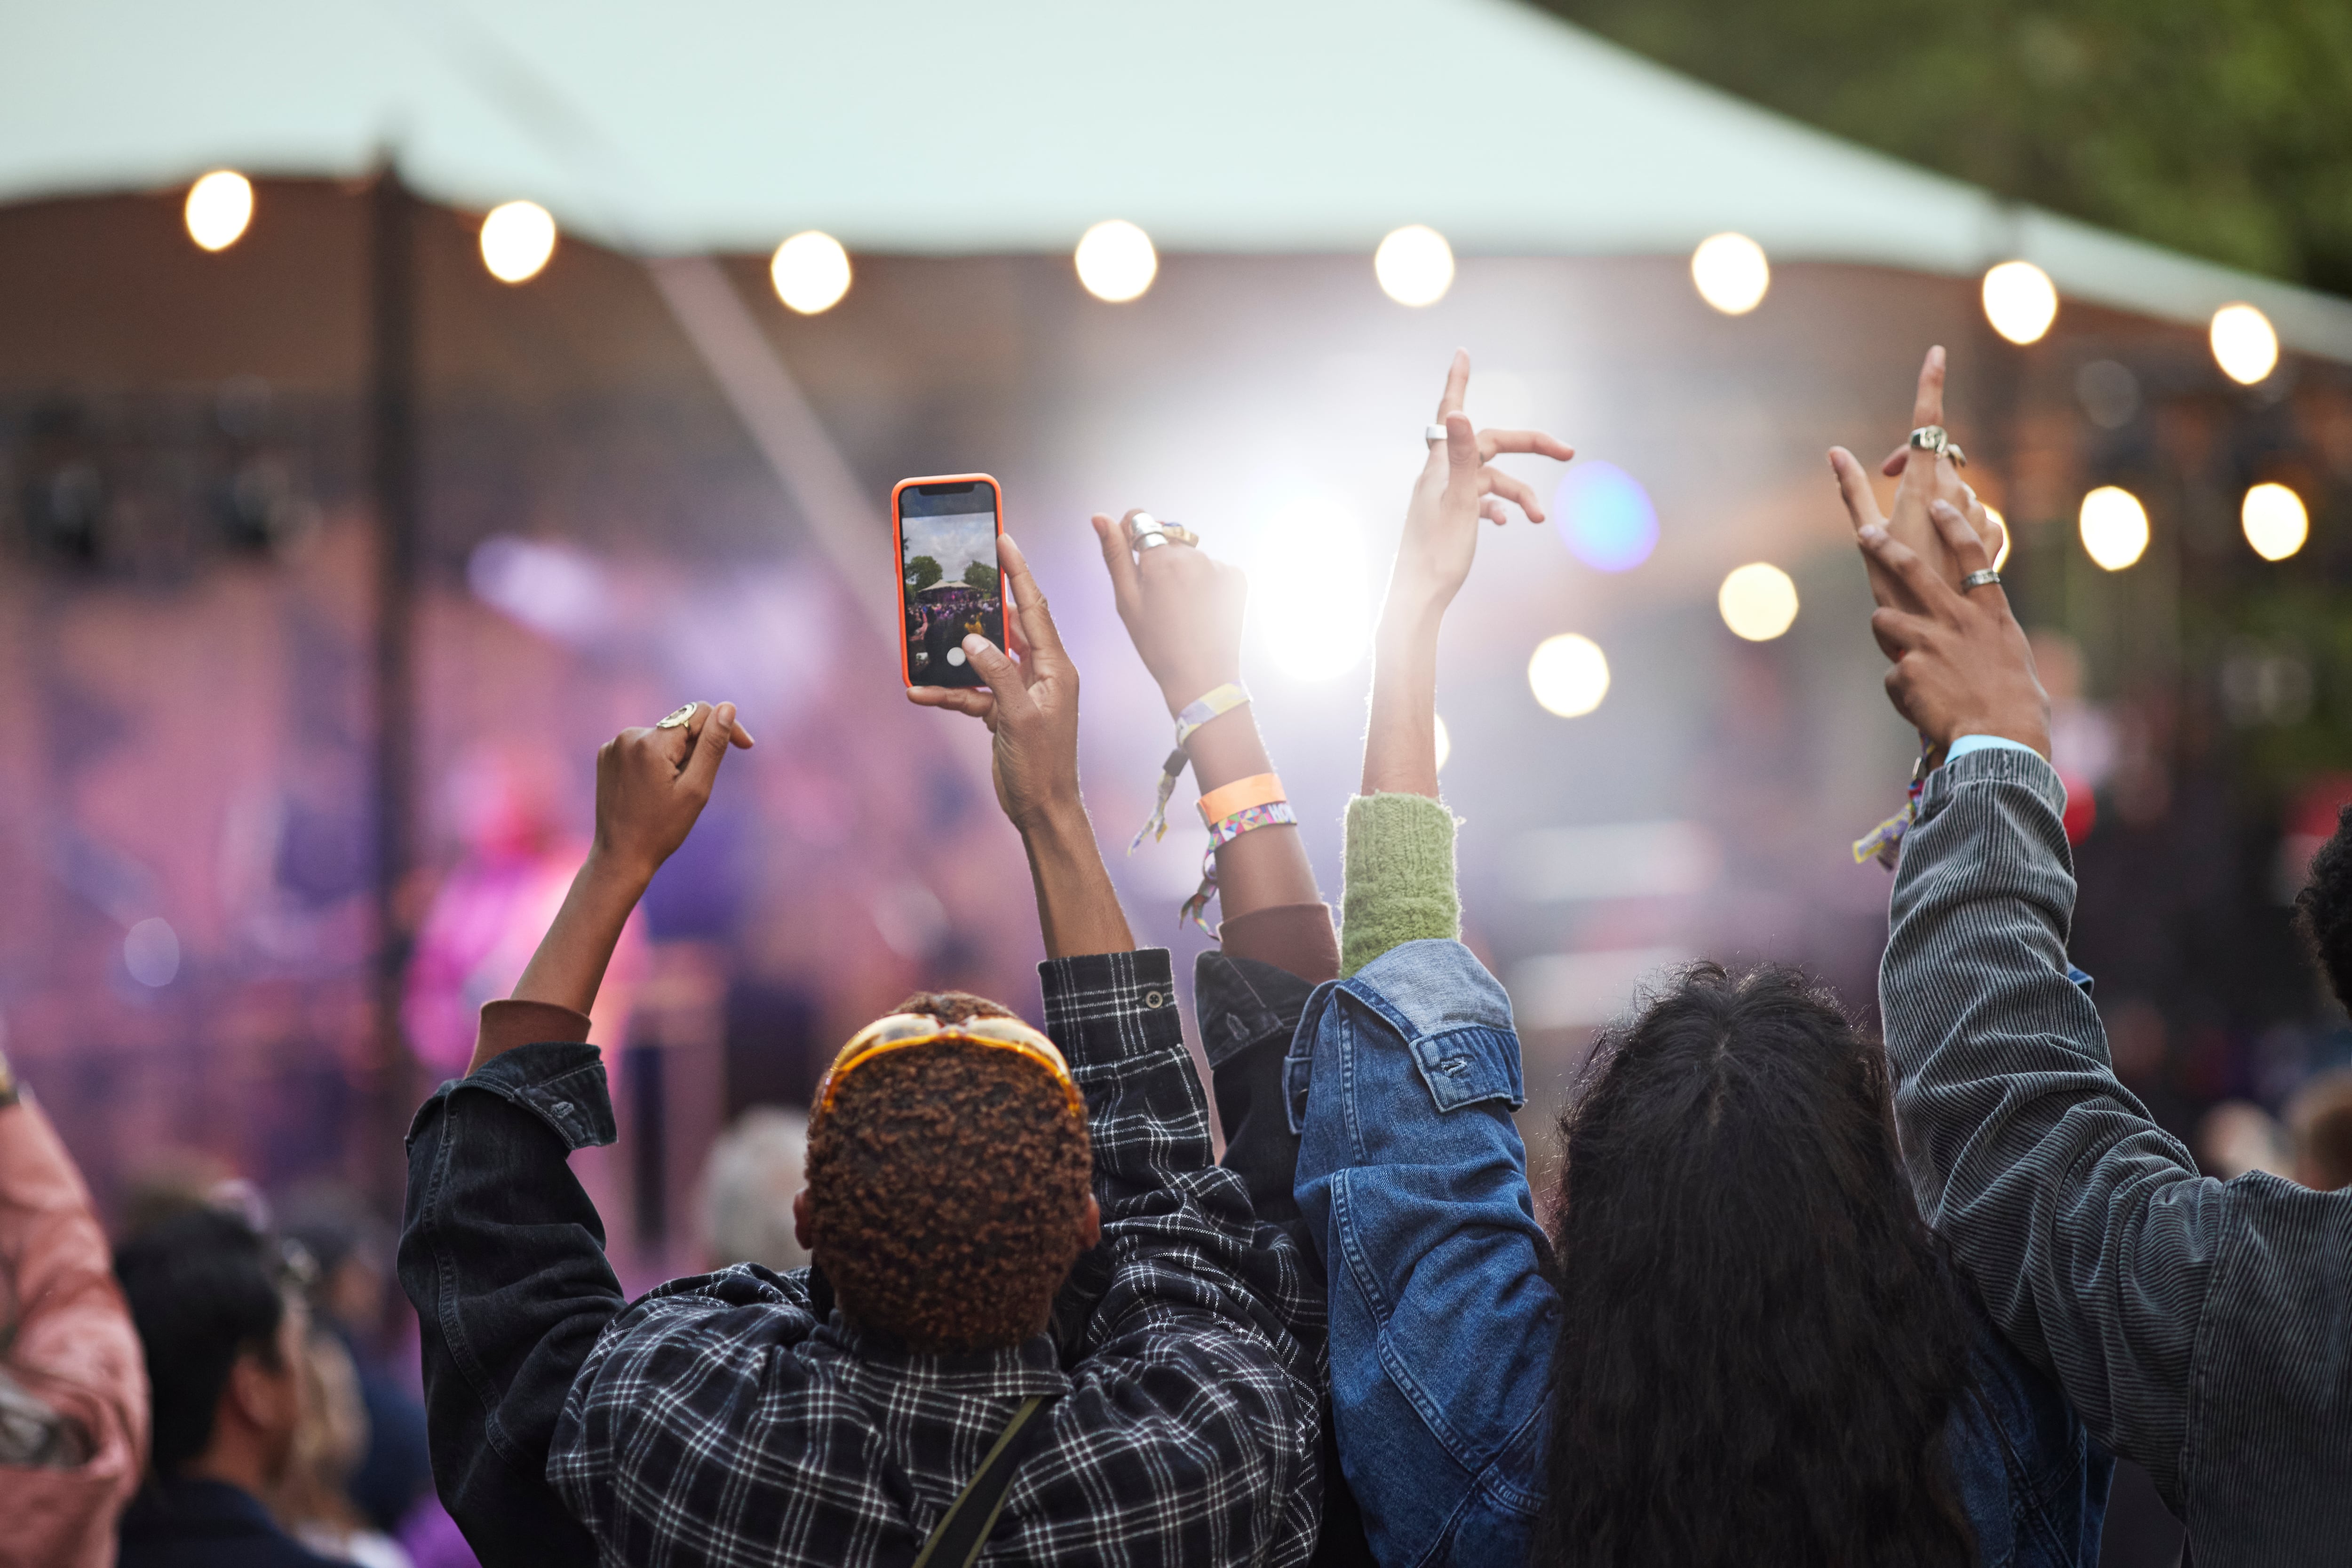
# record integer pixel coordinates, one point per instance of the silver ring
(1979, 579)
(677, 718)
(1934, 438)
(1433, 434)
(1149, 539)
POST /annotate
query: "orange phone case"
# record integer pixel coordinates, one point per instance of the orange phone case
(899, 550)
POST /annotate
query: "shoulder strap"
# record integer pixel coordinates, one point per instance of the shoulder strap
(965, 1528)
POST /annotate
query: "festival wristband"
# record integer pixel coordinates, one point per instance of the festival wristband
(1257, 789)
(1884, 843)
(1225, 831)
(1223, 699)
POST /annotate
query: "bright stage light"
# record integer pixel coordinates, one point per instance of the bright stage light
(2274, 520)
(811, 272)
(1758, 602)
(2007, 538)
(1569, 675)
(1444, 742)
(219, 207)
(2114, 527)
(1309, 593)
(2244, 343)
(1414, 265)
(1605, 517)
(1116, 261)
(1731, 273)
(2020, 301)
(518, 237)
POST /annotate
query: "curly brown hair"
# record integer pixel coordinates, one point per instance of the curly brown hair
(947, 1188)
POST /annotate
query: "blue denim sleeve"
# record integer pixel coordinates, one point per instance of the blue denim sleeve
(502, 1255)
(1413, 1183)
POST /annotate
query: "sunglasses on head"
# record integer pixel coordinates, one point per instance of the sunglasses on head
(900, 1030)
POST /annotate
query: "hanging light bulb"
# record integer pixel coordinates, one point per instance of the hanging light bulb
(1414, 265)
(218, 208)
(811, 272)
(1116, 261)
(1731, 273)
(2020, 301)
(2276, 522)
(2114, 527)
(518, 238)
(2244, 344)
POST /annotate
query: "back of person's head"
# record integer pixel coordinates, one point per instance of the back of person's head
(748, 1183)
(1759, 1342)
(2319, 1122)
(948, 1188)
(203, 1291)
(2322, 910)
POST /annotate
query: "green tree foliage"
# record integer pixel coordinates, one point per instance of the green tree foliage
(982, 576)
(2216, 127)
(922, 571)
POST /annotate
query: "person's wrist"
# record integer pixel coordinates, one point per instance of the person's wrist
(1410, 616)
(619, 867)
(1052, 815)
(1184, 687)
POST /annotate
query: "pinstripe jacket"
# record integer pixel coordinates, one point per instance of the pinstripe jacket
(2201, 1328)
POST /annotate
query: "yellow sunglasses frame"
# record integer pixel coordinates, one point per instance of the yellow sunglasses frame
(900, 1030)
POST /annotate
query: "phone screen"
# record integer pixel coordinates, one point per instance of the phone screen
(949, 580)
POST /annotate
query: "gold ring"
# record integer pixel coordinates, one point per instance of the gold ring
(678, 718)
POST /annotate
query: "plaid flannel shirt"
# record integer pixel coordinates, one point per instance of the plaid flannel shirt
(737, 1418)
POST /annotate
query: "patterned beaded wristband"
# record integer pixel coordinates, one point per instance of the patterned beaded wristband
(1225, 831)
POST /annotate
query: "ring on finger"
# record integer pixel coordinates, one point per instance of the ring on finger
(678, 717)
(1433, 433)
(1982, 578)
(1934, 438)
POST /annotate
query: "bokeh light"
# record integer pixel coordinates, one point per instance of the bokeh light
(1731, 273)
(1116, 261)
(518, 238)
(1569, 675)
(1444, 742)
(810, 271)
(2000, 556)
(219, 207)
(151, 952)
(1605, 517)
(2114, 526)
(1414, 265)
(2276, 522)
(1309, 592)
(2244, 345)
(2020, 301)
(1758, 602)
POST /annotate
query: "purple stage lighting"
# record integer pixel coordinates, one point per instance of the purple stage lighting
(1606, 516)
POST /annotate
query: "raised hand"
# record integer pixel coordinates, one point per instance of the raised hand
(1923, 483)
(652, 784)
(1031, 705)
(1458, 486)
(1962, 666)
(1181, 607)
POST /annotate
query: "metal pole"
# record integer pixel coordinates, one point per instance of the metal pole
(392, 431)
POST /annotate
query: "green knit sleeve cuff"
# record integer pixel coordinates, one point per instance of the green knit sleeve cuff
(1400, 877)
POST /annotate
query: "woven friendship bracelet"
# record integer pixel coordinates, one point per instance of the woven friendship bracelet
(1884, 843)
(1222, 700)
(1225, 831)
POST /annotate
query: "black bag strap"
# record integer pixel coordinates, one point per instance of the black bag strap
(965, 1528)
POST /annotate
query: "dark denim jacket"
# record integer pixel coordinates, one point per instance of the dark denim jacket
(1412, 1182)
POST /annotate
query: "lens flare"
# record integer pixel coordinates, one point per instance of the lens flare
(1116, 261)
(2244, 345)
(1310, 595)
(518, 238)
(1569, 675)
(811, 272)
(1444, 742)
(2114, 526)
(2020, 301)
(1758, 602)
(1414, 265)
(1731, 273)
(2006, 537)
(1605, 517)
(219, 207)
(2276, 522)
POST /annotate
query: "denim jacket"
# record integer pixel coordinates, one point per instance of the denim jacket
(1413, 1183)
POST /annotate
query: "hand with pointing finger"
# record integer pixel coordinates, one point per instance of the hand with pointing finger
(1962, 666)
(1183, 608)
(1924, 478)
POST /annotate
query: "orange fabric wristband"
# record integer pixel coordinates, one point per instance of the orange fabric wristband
(1257, 789)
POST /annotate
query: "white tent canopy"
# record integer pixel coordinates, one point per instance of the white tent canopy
(919, 126)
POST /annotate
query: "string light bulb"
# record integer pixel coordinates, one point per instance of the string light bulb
(2274, 520)
(218, 209)
(1569, 675)
(1758, 602)
(2245, 345)
(1414, 265)
(1116, 261)
(810, 272)
(2020, 301)
(1730, 273)
(2114, 526)
(518, 239)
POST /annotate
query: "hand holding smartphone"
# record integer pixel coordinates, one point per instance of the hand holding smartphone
(951, 583)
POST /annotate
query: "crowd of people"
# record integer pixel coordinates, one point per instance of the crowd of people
(1793, 1294)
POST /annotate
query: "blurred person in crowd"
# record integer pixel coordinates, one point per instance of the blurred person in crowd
(2237, 1136)
(2197, 1324)
(1739, 1343)
(489, 910)
(353, 1249)
(1038, 1317)
(2319, 1132)
(73, 1393)
(755, 1169)
(314, 1499)
(222, 1324)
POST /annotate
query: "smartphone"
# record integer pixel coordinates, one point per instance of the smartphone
(950, 583)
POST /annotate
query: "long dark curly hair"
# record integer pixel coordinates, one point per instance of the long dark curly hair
(1760, 1342)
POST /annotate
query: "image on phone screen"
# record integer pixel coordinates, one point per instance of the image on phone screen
(949, 582)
